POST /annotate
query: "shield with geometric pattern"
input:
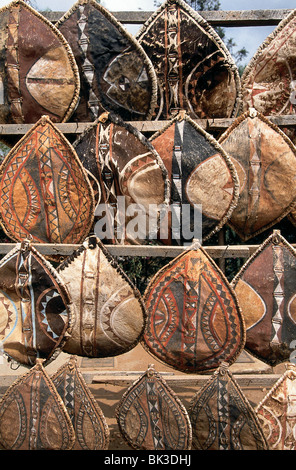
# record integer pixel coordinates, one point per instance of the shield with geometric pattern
(150, 416)
(133, 180)
(87, 418)
(33, 415)
(115, 73)
(45, 193)
(266, 291)
(38, 72)
(195, 71)
(277, 412)
(269, 80)
(35, 308)
(193, 317)
(204, 183)
(265, 161)
(222, 418)
(109, 312)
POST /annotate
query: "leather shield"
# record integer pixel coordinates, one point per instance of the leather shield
(266, 291)
(115, 73)
(109, 312)
(222, 418)
(38, 72)
(193, 318)
(45, 193)
(150, 416)
(195, 72)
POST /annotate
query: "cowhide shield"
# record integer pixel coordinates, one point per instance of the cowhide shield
(269, 80)
(194, 69)
(38, 72)
(222, 418)
(109, 312)
(204, 182)
(45, 193)
(276, 412)
(266, 291)
(88, 420)
(265, 160)
(150, 416)
(35, 308)
(133, 180)
(193, 318)
(33, 415)
(115, 72)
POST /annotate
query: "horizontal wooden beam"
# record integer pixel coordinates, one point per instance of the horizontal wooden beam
(215, 18)
(216, 252)
(143, 126)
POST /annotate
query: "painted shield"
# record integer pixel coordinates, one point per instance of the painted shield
(222, 418)
(109, 311)
(204, 182)
(266, 290)
(38, 72)
(151, 417)
(265, 160)
(35, 309)
(45, 192)
(269, 80)
(33, 415)
(87, 418)
(133, 180)
(115, 73)
(194, 321)
(276, 412)
(194, 69)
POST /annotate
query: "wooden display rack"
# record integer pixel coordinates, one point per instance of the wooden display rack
(265, 377)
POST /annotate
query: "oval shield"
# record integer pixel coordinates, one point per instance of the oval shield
(265, 160)
(222, 418)
(109, 312)
(45, 193)
(33, 415)
(115, 73)
(38, 72)
(151, 417)
(266, 290)
(194, 69)
(193, 318)
(35, 308)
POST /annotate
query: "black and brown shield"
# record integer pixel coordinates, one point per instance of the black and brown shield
(150, 416)
(115, 73)
(38, 71)
(194, 69)
(33, 415)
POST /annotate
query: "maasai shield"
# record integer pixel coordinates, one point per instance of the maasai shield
(204, 182)
(194, 69)
(133, 180)
(35, 308)
(193, 318)
(151, 417)
(265, 160)
(269, 80)
(33, 415)
(87, 418)
(266, 291)
(276, 412)
(115, 73)
(38, 72)
(222, 418)
(45, 193)
(109, 311)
